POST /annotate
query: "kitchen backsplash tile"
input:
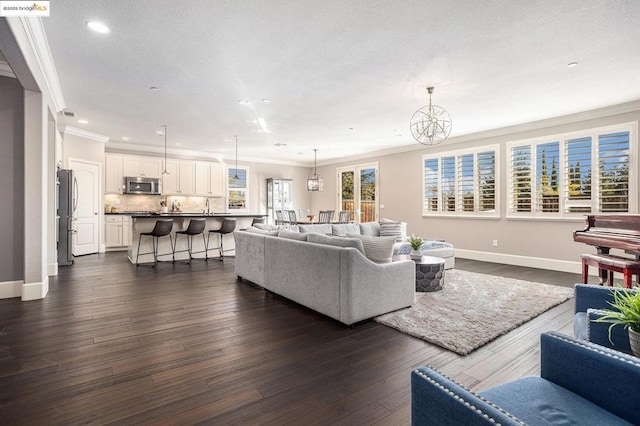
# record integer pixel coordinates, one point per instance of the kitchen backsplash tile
(130, 202)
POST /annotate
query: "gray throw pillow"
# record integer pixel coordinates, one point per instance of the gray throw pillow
(337, 241)
(377, 249)
(342, 229)
(292, 235)
(255, 230)
(371, 229)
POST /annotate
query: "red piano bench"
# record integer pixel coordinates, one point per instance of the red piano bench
(611, 263)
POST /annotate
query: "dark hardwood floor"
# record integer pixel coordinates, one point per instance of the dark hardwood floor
(184, 344)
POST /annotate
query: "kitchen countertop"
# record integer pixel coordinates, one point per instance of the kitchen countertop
(184, 214)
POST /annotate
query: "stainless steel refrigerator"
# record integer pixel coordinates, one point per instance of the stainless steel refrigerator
(67, 202)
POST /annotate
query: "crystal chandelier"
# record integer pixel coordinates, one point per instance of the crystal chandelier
(431, 124)
(315, 182)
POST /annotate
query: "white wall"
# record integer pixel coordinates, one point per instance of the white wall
(538, 243)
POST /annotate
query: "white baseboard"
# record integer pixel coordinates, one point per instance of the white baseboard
(10, 289)
(35, 291)
(52, 269)
(531, 262)
(102, 248)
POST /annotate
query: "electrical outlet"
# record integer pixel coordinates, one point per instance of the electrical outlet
(495, 243)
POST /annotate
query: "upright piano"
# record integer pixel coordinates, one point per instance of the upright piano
(611, 231)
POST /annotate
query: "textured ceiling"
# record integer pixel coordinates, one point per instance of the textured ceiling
(343, 76)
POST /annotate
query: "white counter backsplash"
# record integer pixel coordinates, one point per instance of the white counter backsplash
(130, 202)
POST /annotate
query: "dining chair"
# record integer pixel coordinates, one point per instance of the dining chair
(344, 216)
(292, 217)
(280, 217)
(325, 216)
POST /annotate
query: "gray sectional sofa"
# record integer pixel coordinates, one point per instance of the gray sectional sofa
(331, 276)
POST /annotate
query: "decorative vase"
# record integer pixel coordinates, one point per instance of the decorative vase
(415, 254)
(634, 342)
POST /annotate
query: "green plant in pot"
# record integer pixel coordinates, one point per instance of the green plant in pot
(415, 243)
(627, 314)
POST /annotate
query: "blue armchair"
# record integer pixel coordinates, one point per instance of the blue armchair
(580, 383)
(589, 300)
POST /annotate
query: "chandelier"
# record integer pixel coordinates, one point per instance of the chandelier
(431, 124)
(315, 182)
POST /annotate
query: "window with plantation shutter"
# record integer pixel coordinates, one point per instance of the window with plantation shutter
(570, 175)
(461, 183)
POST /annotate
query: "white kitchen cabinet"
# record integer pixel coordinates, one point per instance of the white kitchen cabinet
(113, 174)
(141, 166)
(209, 179)
(181, 178)
(117, 231)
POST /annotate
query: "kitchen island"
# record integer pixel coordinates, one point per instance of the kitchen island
(144, 222)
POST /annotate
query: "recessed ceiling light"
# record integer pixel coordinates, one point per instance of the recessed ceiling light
(154, 88)
(178, 144)
(266, 100)
(572, 64)
(159, 132)
(350, 128)
(243, 102)
(98, 27)
(83, 121)
(280, 144)
(125, 138)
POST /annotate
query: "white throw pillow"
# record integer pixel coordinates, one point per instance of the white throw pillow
(377, 249)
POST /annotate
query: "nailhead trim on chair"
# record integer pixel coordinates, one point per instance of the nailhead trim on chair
(604, 351)
(467, 403)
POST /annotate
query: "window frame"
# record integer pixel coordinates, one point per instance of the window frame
(563, 186)
(459, 181)
(229, 189)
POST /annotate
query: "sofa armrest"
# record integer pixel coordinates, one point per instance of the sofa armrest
(601, 375)
(439, 401)
(598, 332)
(592, 296)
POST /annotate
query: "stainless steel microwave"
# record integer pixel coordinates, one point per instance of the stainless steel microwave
(141, 185)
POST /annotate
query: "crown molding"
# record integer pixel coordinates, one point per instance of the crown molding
(33, 30)
(68, 130)
(141, 149)
(6, 71)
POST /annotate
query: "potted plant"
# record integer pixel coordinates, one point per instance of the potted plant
(415, 243)
(626, 313)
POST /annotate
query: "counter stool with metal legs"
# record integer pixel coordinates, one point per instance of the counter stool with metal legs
(196, 227)
(227, 227)
(162, 228)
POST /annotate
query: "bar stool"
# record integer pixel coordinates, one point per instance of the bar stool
(196, 227)
(227, 227)
(162, 228)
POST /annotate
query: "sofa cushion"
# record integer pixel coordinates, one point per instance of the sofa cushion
(316, 228)
(537, 401)
(293, 235)
(372, 229)
(269, 227)
(257, 230)
(377, 249)
(393, 229)
(337, 241)
(342, 229)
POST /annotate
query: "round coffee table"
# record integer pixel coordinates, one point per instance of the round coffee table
(429, 273)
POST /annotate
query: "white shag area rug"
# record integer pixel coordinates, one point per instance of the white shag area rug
(473, 309)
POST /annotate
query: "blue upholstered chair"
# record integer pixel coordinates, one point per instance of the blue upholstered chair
(589, 300)
(580, 383)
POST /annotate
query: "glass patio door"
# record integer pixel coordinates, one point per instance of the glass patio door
(358, 192)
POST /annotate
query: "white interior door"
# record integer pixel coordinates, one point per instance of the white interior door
(86, 239)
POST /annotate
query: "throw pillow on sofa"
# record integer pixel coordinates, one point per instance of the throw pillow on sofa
(292, 235)
(393, 229)
(255, 230)
(337, 241)
(372, 229)
(342, 229)
(377, 249)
